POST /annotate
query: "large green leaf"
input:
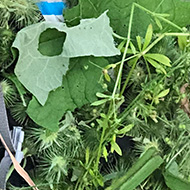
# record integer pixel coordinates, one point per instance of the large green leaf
(90, 37)
(119, 11)
(79, 87)
(41, 73)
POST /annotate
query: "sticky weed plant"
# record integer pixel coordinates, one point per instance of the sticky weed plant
(142, 92)
(152, 97)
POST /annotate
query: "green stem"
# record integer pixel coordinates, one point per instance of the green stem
(173, 158)
(159, 5)
(148, 68)
(18, 86)
(94, 64)
(177, 34)
(100, 148)
(160, 38)
(119, 37)
(127, 59)
(152, 44)
(125, 53)
(158, 16)
(126, 112)
(128, 78)
(147, 49)
(170, 23)
(79, 183)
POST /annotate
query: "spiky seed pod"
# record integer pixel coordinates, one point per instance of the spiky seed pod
(18, 112)
(6, 39)
(72, 143)
(67, 140)
(44, 140)
(25, 12)
(5, 15)
(54, 168)
(9, 93)
(18, 12)
(91, 138)
(138, 76)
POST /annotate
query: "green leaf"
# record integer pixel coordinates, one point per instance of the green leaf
(79, 87)
(101, 95)
(158, 23)
(129, 51)
(133, 48)
(103, 115)
(163, 93)
(182, 41)
(160, 58)
(87, 155)
(92, 173)
(34, 70)
(100, 180)
(21, 90)
(156, 65)
(125, 129)
(41, 74)
(53, 39)
(148, 37)
(105, 153)
(139, 43)
(174, 168)
(116, 147)
(107, 77)
(119, 13)
(121, 45)
(99, 102)
(90, 37)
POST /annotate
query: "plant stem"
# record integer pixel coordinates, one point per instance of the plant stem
(127, 59)
(119, 37)
(94, 64)
(173, 158)
(148, 68)
(147, 49)
(80, 180)
(170, 23)
(160, 38)
(125, 53)
(159, 16)
(152, 44)
(128, 77)
(159, 5)
(124, 114)
(177, 34)
(100, 148)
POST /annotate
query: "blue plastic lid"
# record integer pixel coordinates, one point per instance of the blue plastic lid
(51, 7)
